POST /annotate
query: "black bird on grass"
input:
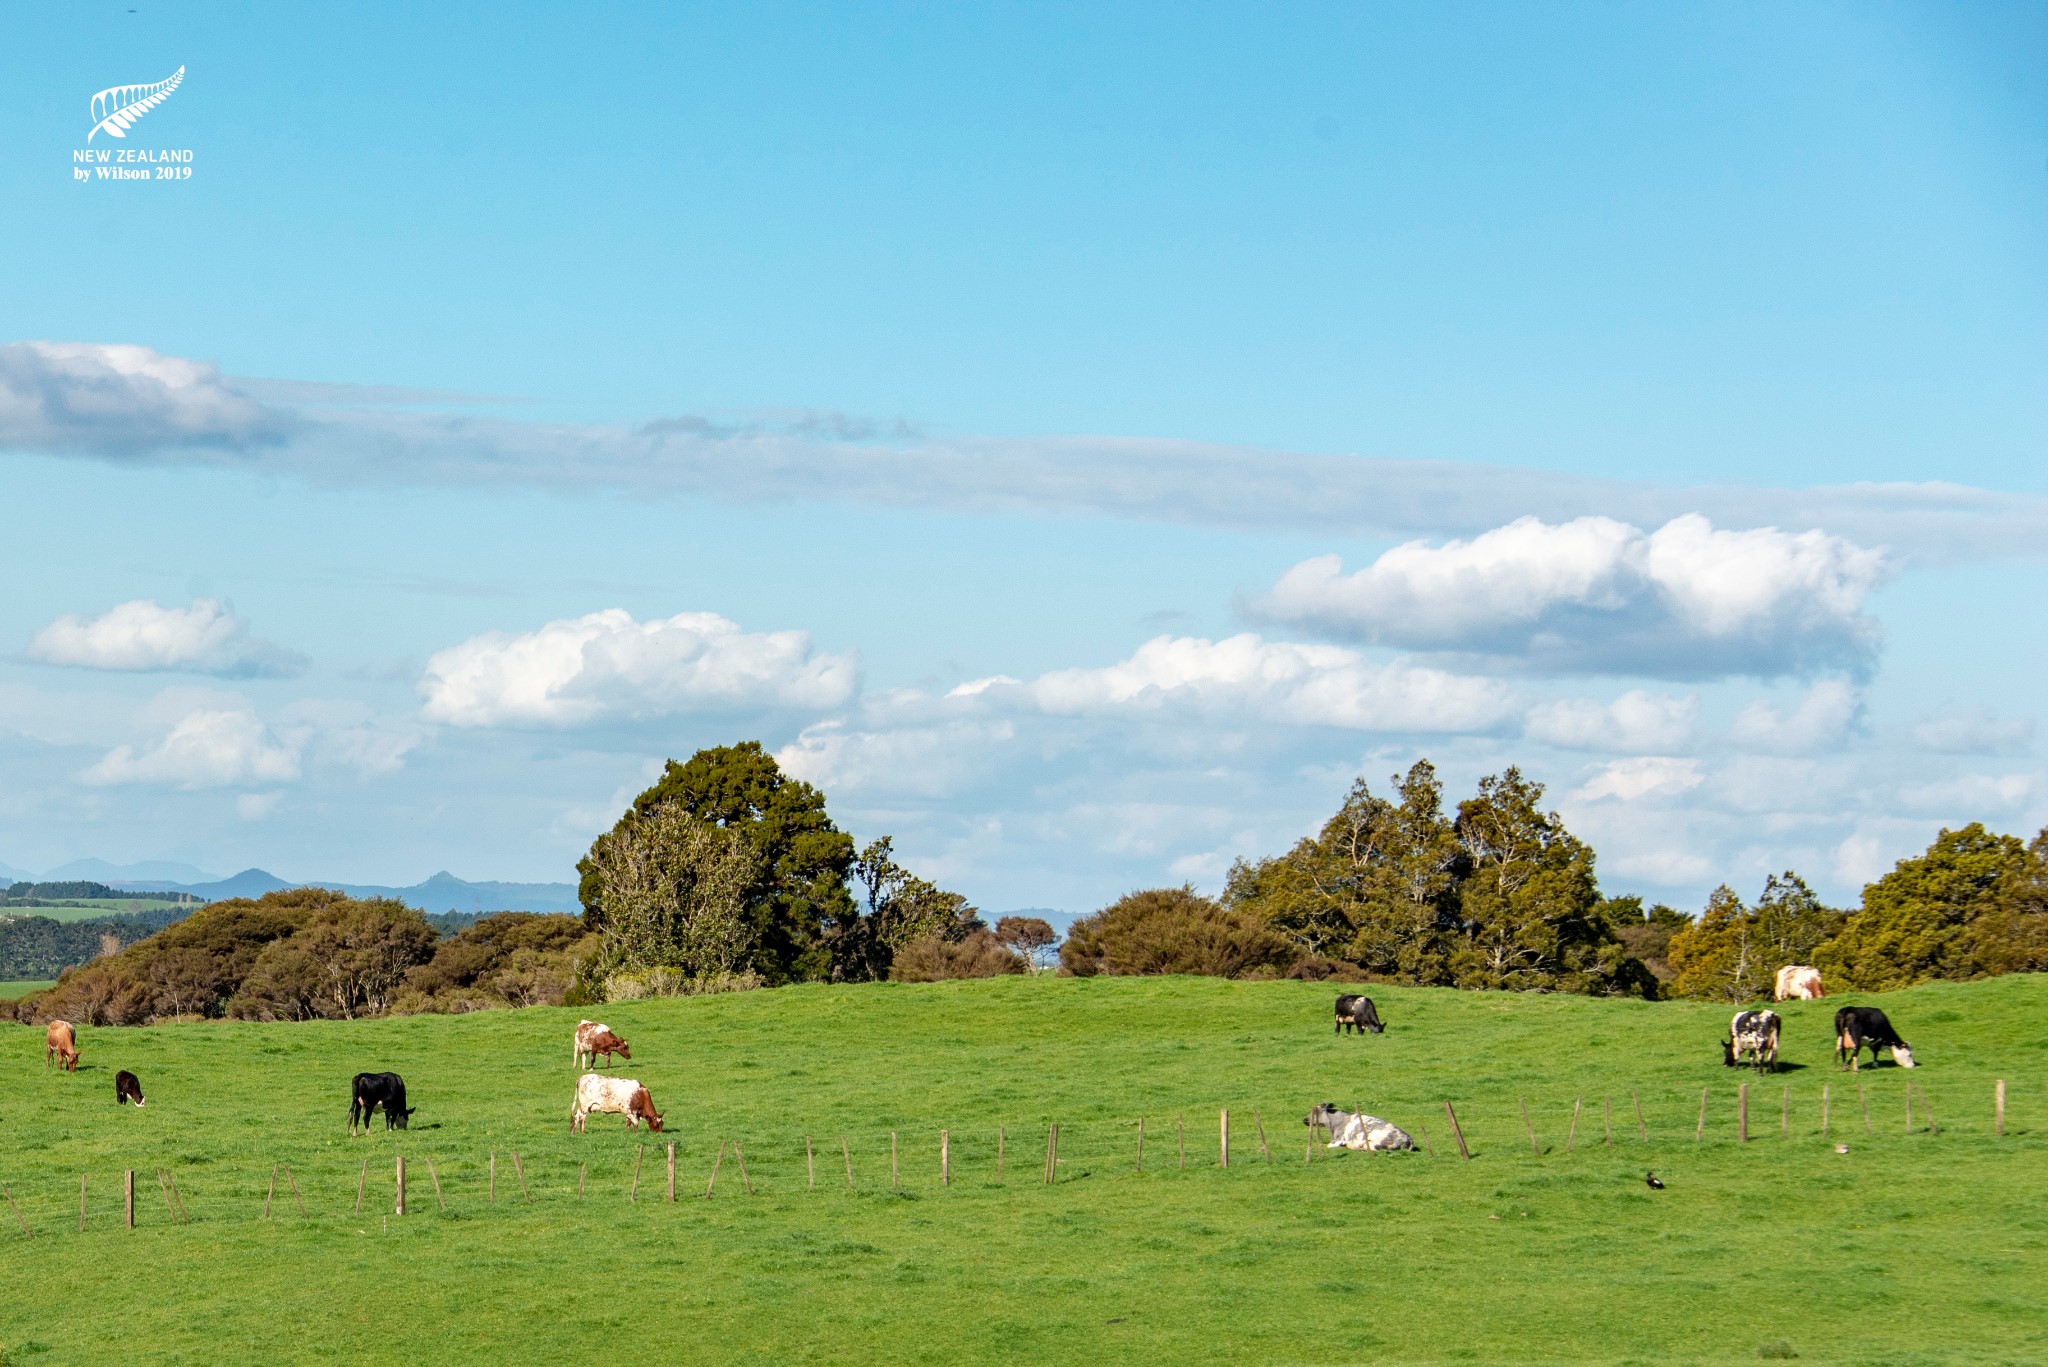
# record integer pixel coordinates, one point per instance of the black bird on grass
(1654, 1183)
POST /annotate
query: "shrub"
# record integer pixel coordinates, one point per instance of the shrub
(934, 958)
(1174, 930)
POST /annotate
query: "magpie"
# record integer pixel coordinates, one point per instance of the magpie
(1652, 1180)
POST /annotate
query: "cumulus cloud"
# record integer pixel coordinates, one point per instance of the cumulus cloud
(1971, 797)
(1246, 676)
(203, 638)
(918, 760)
(117, 400)
(132, 403)
(1820, 720)
(606, 665)
(207, 748)
(1636, 722)
(1974, 731)
(1626, 780)
(1594, 595)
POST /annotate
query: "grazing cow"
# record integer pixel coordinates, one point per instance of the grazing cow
(60, 1042)
(594, 1038)
(1752, 1035)
(1798, 982)
(1856, 1026)
(1357, 1130)
(371, 1090)
(613, 1096)
(127, 1088)
(1356, 1013)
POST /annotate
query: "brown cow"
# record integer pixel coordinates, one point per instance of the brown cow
(60, 1041)
(594, 1038)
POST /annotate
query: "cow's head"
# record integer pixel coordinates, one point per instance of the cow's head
(403, 1114)
(1902, 1056)
(623, 1051)
(1728, 1053)
(1324, 1115)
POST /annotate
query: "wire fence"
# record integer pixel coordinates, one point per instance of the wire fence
(1753, 1113)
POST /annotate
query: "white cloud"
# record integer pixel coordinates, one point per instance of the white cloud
(1280, 681)
(256, 806)
(606, 665)
(207, 748)
(1820, 721)
(1975, 731)
(118, 400)
(1662, 868)
(928, 761)
(204, 638)
(1861, 859)
(1636, 722)
(1973, 797)
(1596, 595)
(1626, 780)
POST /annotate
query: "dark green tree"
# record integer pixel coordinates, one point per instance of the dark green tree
(2011, 935)
(1915, 922)
(798, 903)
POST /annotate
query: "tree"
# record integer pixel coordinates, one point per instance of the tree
(1173, 930)
(673, 893)
(934, 958)
(1717, 957)
(798, 899)
(1030, 936)
(1915, 922)
(1529, 904)
(902, 910)
(2011, 935)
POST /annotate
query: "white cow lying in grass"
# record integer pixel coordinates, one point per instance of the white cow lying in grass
(1357, 1130)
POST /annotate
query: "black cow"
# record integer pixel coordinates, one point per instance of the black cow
(371, 1090)
(1356, 1013)
(127, 1088)
(1856, 1026)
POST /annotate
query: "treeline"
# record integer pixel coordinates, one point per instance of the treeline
(61, 894)
(39, 947)
(310, 953)
(1499, 895)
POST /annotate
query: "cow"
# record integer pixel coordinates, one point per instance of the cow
(1856, 1026)
(1356, 1013)
(614, 1096)
(1356, 1130)
(1752, 1035)
(1798, 982)
(371, 1090)
(60, 1042)
(127, 1088)
(594, 1038)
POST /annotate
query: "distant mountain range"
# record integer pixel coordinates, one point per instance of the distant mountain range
(443, 892)
(100, 871)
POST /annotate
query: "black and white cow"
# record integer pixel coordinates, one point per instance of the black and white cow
(127, 1087)
(1752, 1038)
(371, 1090)
(1356, 1130)
(1356, 1013)
(1857, 1026)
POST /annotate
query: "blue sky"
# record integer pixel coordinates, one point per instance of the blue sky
(512, 398)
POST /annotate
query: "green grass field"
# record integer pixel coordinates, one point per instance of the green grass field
(88, 909)
(21, 987)
(1916, 1247)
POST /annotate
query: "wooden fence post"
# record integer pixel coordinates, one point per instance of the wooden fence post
(1533, 1147)
(266, 1196)
(741, 1159)
(1607, 1118)
(177, 1196)
(1742, 1112)
(639, 1153)
(1909, 1106)
(1573, 1132)
(945, 1158)
(1180, 1138)
(894, 1184)
(1141, 1144)
(999, 1155)
(1642, 1130)
(1457, 1132)
(582, 1171)
(81, 1198)
(26, 1231)
(128, 1196)
(1308, 1152)
(1700, 1130)
(810, 1163)
(436, 1177)
(398, 1182)
(362, 1181)
(297, 1199)
(716, 1160)
(847, 1154)
(519, 1171)
(1223, 1137)
(671, 1171)
(1823, 1110)
(1427, 1148)
(1260, 1121)
(1997, 1125)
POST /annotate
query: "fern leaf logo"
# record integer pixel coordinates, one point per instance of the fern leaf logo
(117, 107)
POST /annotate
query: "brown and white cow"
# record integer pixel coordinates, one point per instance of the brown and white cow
(1797, 982)
(613, 1096)
(594, 1038)
(60, 1042)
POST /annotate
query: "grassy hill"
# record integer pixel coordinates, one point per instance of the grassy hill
(1913, 1247)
